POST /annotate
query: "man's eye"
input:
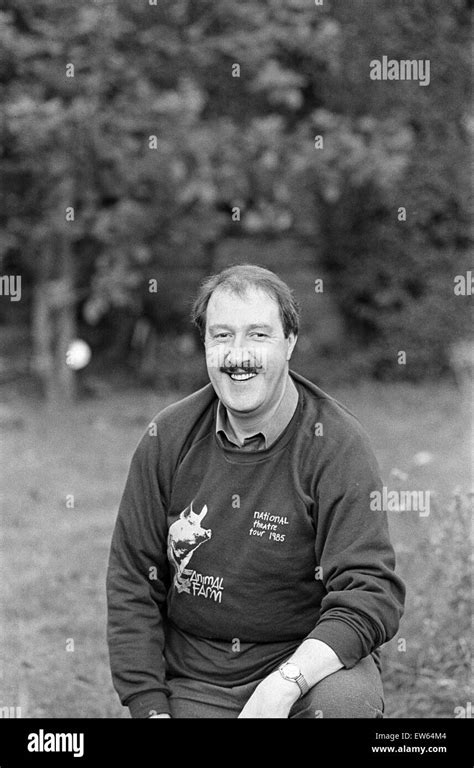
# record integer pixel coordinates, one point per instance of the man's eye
(260, 334)
(220, 335)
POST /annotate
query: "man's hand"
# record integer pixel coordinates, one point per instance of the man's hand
(273, 697)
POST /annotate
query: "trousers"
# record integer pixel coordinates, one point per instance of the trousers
(347, 693)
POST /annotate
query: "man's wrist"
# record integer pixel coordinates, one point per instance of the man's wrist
(288, 691)
(291, 671)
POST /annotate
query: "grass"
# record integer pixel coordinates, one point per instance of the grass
(53, 555)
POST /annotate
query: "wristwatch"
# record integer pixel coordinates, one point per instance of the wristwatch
(292, 672)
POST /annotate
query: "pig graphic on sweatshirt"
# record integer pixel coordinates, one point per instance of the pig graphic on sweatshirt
(185, 535)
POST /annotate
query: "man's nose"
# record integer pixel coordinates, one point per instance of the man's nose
(236, 355)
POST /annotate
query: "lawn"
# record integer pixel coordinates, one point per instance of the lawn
(63, 474)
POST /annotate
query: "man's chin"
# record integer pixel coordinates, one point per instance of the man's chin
(237, 408)
(239, 402)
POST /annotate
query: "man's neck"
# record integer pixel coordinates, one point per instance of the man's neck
(247, 424)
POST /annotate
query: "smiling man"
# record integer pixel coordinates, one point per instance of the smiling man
(247, 356)
(248, 576)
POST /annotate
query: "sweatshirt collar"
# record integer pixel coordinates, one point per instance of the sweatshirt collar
(271, 429)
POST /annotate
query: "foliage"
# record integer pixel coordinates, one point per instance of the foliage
(436, 675)
(154, 143)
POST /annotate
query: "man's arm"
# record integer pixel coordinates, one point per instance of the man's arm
(137, 583)
(275, 696)
(364, 599)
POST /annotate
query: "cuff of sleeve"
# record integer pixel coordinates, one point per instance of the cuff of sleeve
(144, 705)
(344, 640)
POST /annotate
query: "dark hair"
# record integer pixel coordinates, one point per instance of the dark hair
(238, 279)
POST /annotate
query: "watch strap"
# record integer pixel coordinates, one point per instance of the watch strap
(302, 684)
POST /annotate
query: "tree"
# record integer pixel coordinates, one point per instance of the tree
(167, 127)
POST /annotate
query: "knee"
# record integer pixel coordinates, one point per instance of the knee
(348, 693)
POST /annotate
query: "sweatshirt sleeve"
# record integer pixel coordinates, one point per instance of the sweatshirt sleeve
(364, 597)
(137, 585)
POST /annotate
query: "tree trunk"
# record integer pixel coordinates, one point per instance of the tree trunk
(42, 334)
(54, 325)
(66, 327)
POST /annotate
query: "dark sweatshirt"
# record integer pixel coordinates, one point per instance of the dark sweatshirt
(222, 561)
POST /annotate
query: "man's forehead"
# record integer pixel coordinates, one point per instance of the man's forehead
(254, 310)
(253, 298)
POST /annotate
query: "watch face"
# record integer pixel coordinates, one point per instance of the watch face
(291, 671)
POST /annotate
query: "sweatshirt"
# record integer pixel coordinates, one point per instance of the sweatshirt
(222, 561)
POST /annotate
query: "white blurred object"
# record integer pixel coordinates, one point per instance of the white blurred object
(397, 474)
(78, 354)
(422, 458)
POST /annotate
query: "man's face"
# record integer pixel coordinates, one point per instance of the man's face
(247, 353)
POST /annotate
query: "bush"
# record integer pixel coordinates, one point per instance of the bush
(433, 677)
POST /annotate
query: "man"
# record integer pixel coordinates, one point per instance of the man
(248, 576)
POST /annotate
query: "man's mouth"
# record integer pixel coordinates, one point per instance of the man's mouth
(241, 376)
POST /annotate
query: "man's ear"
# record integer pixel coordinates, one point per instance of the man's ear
(292, 339)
